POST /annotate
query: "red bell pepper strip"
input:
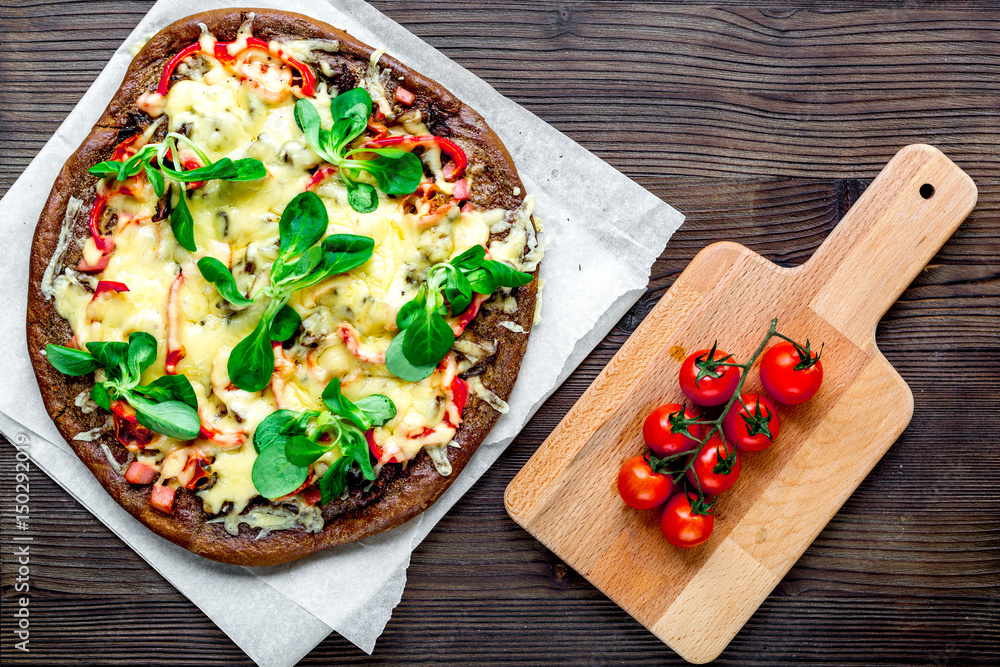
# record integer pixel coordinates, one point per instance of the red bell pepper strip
(175, 350)
(447, 146)
(104, 244)
(321, 175)
(194, 470)
(172, 64)
(128, 431)
(462, 321)
(108, 286)
(376, 450)
(221, 52)
(308, 87)
(140, 473)
(126, 148)
(123, 410)
(380, 130)
(311, 494)
(162, 498)
(459, 393)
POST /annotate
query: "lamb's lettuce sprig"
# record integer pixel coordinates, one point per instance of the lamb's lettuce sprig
(167, 405)
(300, 263)
(396, 171)
(425, 336)
(288, 442)
(181, 222)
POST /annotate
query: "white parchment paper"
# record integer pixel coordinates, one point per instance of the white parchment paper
(599, 253)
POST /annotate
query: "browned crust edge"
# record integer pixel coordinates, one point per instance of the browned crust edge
(406, 493)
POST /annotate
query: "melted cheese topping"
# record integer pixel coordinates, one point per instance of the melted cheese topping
(348, 319)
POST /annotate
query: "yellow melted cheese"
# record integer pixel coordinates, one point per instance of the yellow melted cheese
(237, 223)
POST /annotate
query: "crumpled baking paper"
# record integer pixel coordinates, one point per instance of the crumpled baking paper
(599, 252)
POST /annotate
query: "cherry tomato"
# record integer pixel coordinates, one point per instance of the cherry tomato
(663, 438)
(640, 487)
(716, 385)
(681, 526)
(713, 454)
(751, 428)
(784, 377)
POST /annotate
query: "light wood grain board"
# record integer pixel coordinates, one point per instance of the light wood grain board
(697, 600)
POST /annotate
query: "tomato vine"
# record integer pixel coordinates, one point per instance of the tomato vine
(726, 452)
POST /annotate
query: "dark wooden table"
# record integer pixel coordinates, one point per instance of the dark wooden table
(762, 122)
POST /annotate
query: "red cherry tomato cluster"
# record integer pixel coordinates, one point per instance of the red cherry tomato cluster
(693, 457)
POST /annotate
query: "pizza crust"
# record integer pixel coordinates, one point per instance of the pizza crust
(402, 490)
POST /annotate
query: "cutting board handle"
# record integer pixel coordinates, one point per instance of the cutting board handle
(887, 237)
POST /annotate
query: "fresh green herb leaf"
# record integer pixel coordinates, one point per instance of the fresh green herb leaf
(245, 169)
(397, 363)
(379, 408)
(355, 450)
(252, 360)
(428, 339)
(170, 388)
(274, 475)
(303, 223)
(350, 111)
(111, 355)
(355, 444)
(168, 405)
(298, 266)
(308, 120)
(215, 272)
(411, 310)
(483, 281)
(362, 197)
(470, 259)
(285, 323)
(104, 169)
(299, 440)
(284, 273)
(334, 482)
(270, 431)
(424, 334)
(70, 361)
(155, 179)
(302, 451)
(396, 171)
(343, 252)
(171, 418)
(100, 395)
(338, 253)
(458, 291)
(342, 406)
(505, 275)
(141, 353)
(182, 223)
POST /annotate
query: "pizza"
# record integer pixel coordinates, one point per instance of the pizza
(282, 291)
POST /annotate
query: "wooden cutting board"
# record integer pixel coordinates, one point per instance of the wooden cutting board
(696, 600)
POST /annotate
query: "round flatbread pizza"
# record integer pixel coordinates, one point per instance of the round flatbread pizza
(282, 291)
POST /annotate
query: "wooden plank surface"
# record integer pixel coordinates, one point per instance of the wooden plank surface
(762, 122)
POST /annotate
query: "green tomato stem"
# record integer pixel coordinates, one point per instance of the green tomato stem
(716, 424)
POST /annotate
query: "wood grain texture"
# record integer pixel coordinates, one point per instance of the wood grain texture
(767, 141)
(697, 600)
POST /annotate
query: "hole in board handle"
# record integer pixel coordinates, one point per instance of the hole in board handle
(926, 190)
